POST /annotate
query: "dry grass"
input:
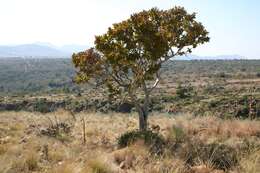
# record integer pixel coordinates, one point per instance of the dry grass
(213, 127)
(97, 166)
(20, 137)
(31, 162)
(251, 164)
(63, 168)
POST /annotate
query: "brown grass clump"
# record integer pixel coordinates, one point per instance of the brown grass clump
(27, 163)
(3, 149)
(209, 126)
(166, 164)
(97, 166)
(218, 156)
(251, 163)
(63, 168)
(32, 162)
(18, 166)
(136, 154)
(56, 156)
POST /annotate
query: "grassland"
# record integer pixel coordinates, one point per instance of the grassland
(24, 148)
(204, 115)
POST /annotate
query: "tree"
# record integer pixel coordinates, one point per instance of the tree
(128, 58)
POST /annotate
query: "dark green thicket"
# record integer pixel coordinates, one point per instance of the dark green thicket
(153, 140)
(183, 92)
(43, 106)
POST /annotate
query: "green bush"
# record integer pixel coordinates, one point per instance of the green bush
(42, 106)
(222, 75)
(151, 139)
(183, 92)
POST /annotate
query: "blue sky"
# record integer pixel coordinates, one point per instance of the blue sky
(234, 26)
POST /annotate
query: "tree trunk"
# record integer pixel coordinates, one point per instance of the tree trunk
(142, 110)
(143, 124)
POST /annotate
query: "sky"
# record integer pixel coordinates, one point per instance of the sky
(234, 25)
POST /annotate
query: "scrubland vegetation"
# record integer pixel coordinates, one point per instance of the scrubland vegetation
(185, 143)
(202, 121)
(141, 112)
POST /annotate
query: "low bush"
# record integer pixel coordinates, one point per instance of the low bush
(56, 129)
(151, 139)
(42, 106)
(183, 92)
(221, 75)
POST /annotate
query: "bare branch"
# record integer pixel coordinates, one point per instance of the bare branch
(157, 81)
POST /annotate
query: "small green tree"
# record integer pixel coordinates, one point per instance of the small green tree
(128, 58)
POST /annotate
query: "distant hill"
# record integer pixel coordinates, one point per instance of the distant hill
(40, 50)
(220, 57)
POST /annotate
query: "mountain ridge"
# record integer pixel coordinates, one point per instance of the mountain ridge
(42, 50)
(39, 50)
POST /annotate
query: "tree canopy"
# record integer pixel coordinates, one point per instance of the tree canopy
(128, 58)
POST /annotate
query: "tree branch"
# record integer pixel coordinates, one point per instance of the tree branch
(157, 81)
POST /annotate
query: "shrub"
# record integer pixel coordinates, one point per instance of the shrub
(183, 92)
(56, 129)
(42, 106)
(242, 112)
(168, 98)
(222, 75)
(151, 139)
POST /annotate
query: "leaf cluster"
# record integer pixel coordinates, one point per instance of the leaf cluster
(133, 51)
